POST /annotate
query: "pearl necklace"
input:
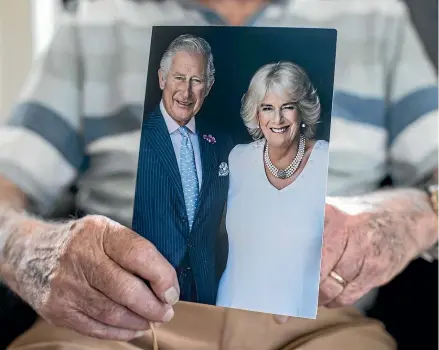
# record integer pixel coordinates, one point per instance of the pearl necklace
(291, 169)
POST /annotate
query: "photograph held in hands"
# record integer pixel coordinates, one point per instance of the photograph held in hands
(233, 163)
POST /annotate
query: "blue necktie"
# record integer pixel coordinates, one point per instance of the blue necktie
(188, 172)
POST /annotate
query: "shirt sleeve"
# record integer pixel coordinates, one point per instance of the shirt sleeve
(412, 114)
(41, 147)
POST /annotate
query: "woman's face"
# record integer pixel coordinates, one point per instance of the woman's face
(279, 120)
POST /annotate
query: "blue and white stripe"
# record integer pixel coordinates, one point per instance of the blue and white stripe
(78, 117)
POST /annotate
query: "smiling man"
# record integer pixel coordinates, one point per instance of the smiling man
(182, 219)
(185, 79)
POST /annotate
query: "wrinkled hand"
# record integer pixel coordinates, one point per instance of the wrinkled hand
(368, 250)
(370, 247)
(87, 275)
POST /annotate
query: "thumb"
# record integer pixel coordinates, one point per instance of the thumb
(281, 319)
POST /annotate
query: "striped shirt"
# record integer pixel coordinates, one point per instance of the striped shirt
(77, 121)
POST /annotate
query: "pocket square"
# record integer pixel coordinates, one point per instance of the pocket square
(223, 169)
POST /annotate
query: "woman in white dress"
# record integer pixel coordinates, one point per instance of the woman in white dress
(276, 200)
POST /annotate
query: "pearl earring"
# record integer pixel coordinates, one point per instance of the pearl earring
(303, 125)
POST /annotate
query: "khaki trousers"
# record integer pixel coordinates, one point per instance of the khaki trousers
(201, 327)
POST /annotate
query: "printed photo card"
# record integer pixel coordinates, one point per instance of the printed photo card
(233, 162)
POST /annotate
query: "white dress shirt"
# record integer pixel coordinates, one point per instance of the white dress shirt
(176, 139)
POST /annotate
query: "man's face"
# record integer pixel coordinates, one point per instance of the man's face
(185, 86)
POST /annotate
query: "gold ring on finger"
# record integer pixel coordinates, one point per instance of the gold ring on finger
(338, 278)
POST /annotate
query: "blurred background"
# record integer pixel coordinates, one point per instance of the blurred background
(407, 305)
(26, 26)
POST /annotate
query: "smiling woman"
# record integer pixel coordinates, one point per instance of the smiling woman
(282, 106)
(287, 167)
(290, 83)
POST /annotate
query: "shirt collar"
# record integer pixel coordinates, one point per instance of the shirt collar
(172, 124)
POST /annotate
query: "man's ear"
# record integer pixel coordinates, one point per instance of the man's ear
(161, 79)
(209, 87)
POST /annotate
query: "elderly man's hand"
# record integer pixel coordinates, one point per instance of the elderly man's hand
(87, 275)
(369, 240)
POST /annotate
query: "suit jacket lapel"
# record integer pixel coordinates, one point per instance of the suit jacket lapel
(157, 136)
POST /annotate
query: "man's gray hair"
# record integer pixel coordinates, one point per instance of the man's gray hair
(193, 45)
(285, 79)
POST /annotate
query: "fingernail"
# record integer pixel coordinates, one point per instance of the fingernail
(171, 296)
(139, 334)
(169, 315)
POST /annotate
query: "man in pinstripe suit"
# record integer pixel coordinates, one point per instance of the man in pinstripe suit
(182, 179)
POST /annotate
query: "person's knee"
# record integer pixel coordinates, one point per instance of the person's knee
(347, 328)
(42, 335)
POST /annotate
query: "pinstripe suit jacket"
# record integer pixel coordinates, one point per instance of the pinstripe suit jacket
(159, 208)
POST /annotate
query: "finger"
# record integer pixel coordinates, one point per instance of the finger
(351, 294)
(351, 268)
(358, 287)
(87, 326)
(128, 290)
(334, 240)
(351, 262)
(99, 307)
(329, 290)
(281, 319)
(139, 256)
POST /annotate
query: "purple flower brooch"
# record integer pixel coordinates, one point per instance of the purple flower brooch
(209, 138)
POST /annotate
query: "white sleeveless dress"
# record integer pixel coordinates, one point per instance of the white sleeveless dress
(275, 236)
